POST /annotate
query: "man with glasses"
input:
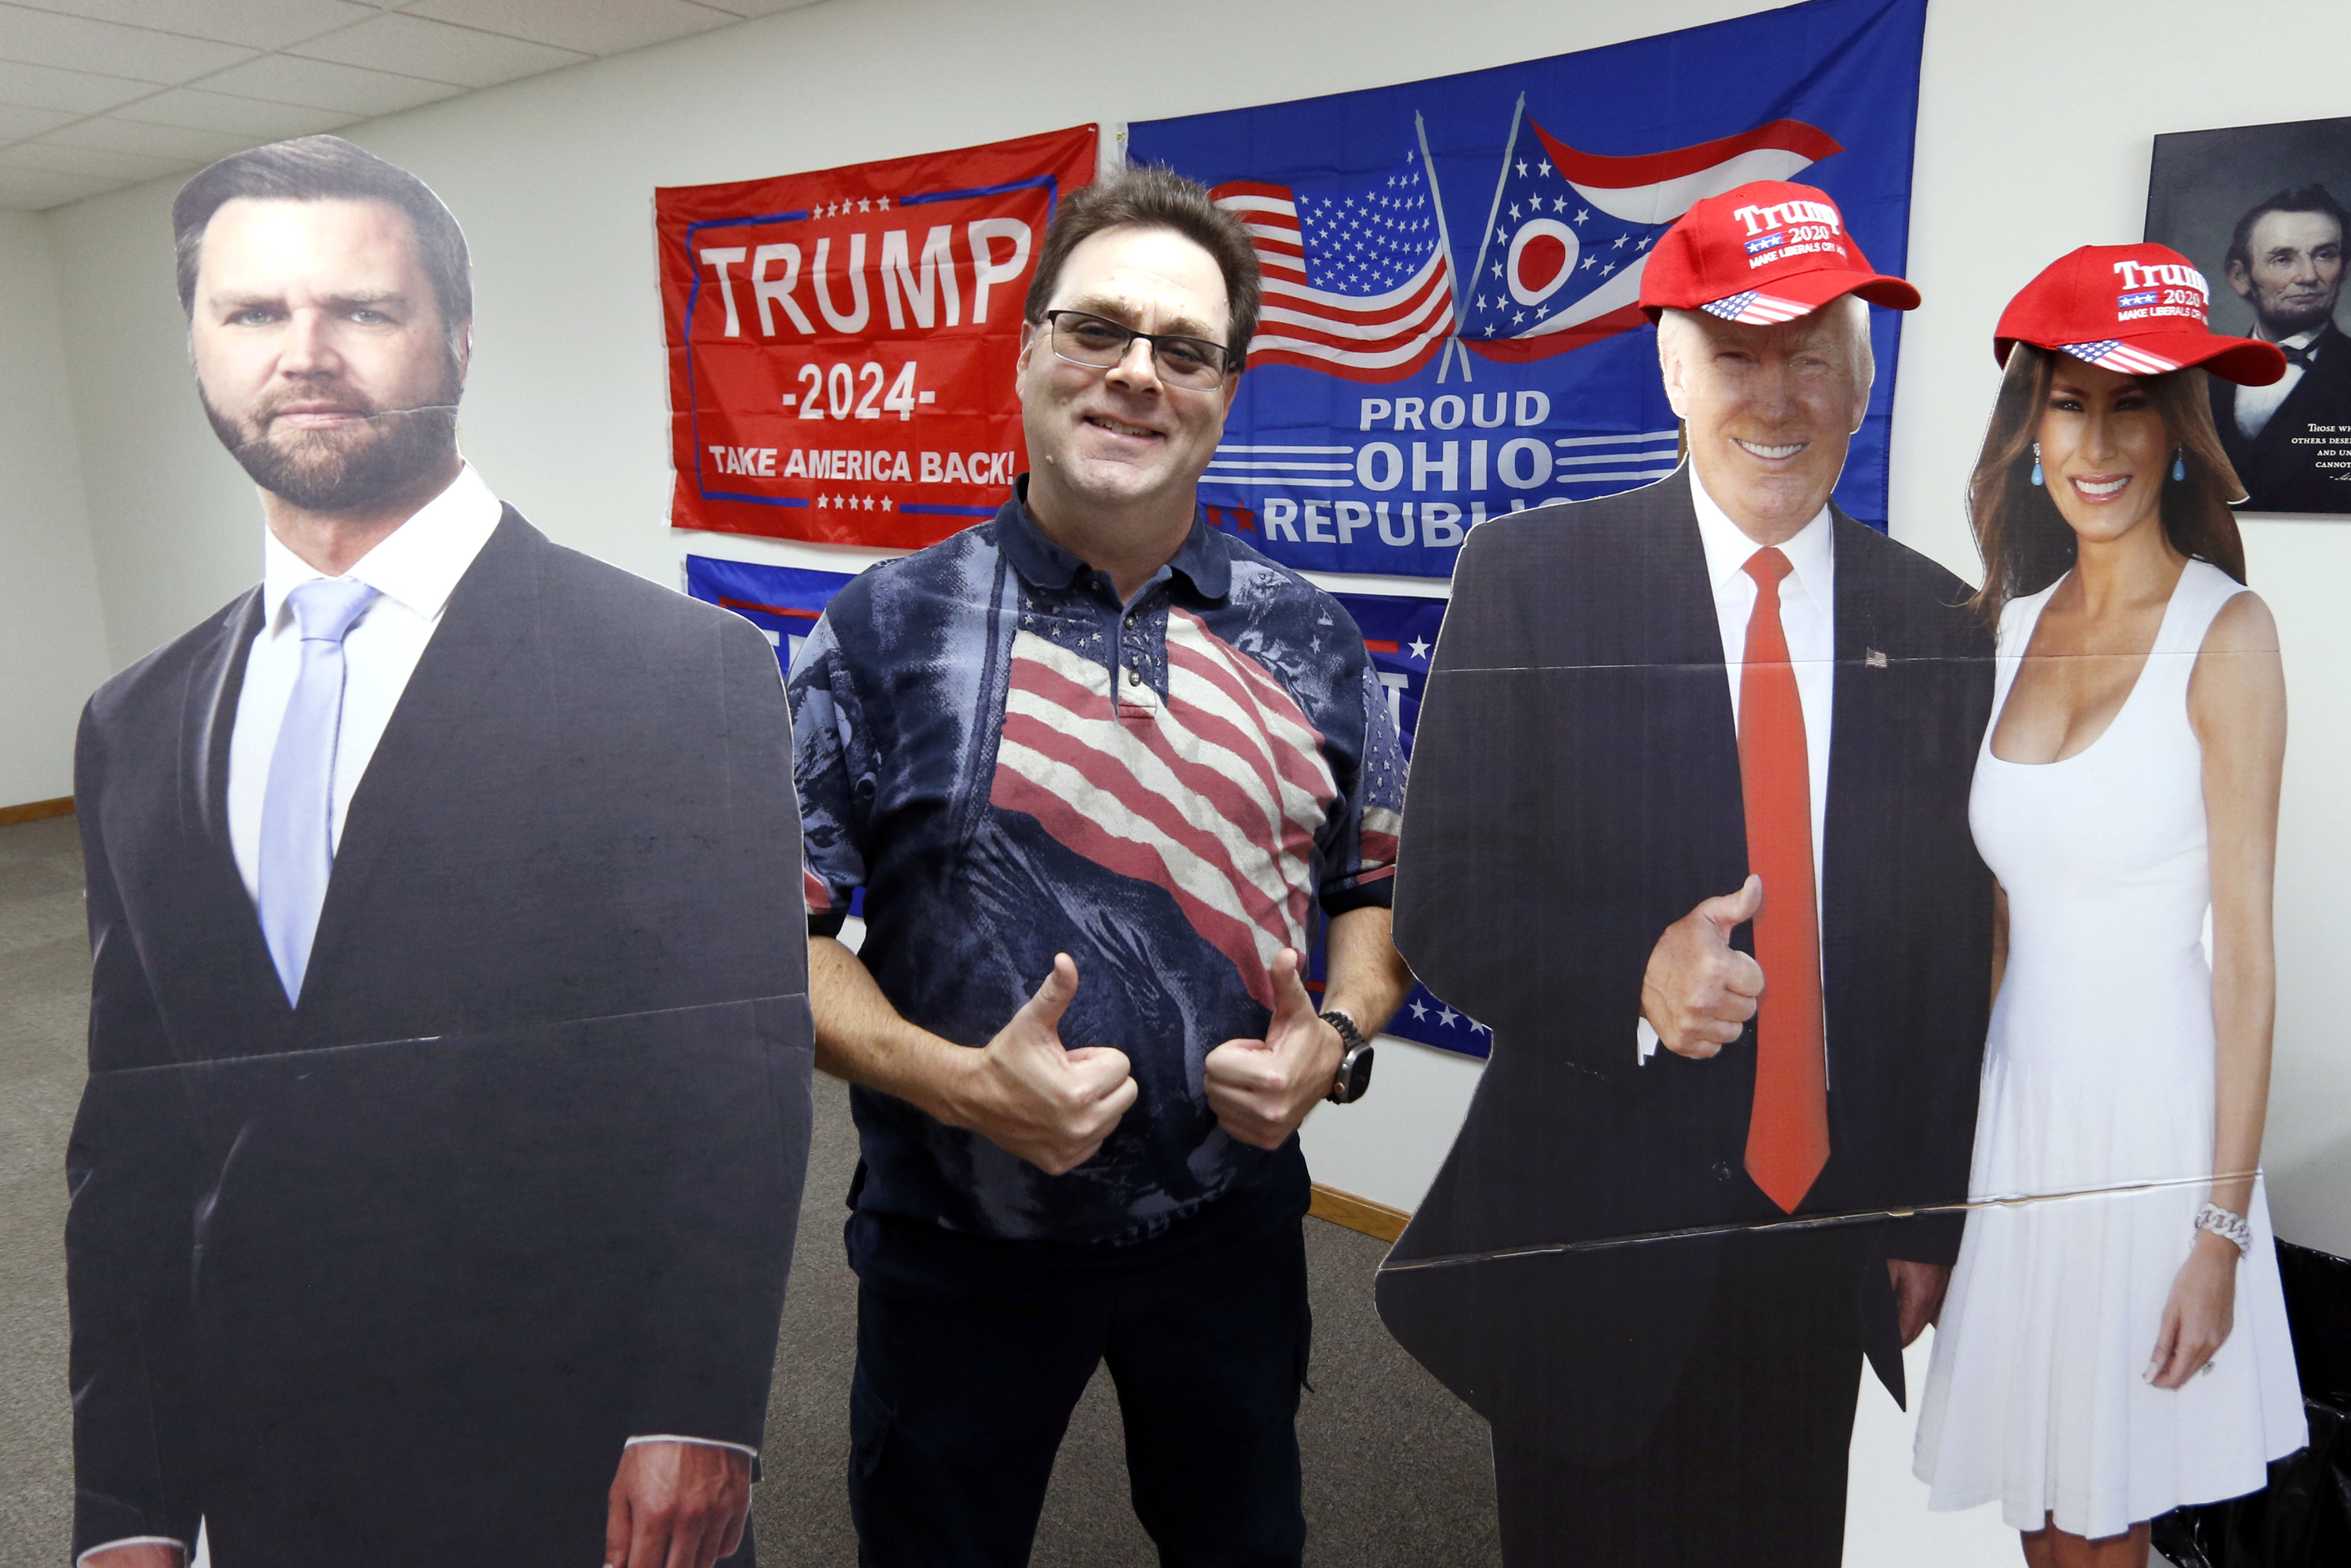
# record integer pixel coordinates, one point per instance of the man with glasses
(1095, 767)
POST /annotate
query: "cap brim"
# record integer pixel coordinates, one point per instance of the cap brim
(1797, 294)
(2248, 361)
(1801, 294)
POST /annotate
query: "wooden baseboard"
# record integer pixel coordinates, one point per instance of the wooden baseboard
(1358, 1213)
(33, 810)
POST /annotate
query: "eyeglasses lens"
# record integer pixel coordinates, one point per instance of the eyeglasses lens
(1092, 341)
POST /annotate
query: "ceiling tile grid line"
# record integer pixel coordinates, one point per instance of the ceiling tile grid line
(100, 94)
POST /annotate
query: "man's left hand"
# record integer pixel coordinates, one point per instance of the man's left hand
(1918, 1294)
(1261, 1088)
(677, 1505)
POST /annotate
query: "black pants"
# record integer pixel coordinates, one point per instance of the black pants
(971, 1354)
(1748, 1464)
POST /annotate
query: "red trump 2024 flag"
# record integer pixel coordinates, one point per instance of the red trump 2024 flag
(841, 343)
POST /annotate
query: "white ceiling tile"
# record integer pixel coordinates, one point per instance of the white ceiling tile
(249, 118)
(18, 121)
(45, 86)
(57, 160)
(259, 23)
(323, 84)
(592, 26)
(79, 44)
(30, 190)
(420, 48)
(176, 143)
(756, 7)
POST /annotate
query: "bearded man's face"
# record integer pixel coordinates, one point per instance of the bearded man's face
(320, 353)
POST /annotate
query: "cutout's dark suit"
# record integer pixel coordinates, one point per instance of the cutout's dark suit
(1575, 791)
(389, 1277)
(2278, 475)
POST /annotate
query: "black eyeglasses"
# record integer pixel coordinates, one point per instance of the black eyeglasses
(1192, 362)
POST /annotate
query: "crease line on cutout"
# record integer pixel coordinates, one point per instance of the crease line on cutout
(1800, 1222)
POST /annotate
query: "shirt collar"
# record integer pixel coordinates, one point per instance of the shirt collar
(2298, 341)
(1812, 553)
(418, 563)
(1204, 560)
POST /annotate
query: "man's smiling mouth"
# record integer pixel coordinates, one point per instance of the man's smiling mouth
(1117, 427)
(1770, 453)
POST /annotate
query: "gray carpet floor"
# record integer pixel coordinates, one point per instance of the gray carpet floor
(1396, 1470)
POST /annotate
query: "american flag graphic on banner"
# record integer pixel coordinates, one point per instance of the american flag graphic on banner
(1215, 795)
(1357, 281)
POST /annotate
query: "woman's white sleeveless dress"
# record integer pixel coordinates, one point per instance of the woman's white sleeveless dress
(2099, 1083)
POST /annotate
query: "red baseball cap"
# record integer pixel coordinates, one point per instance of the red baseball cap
(1766, 251)
(2139, 310)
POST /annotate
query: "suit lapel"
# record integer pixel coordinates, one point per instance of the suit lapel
(1679, 622)
(2320, 382)
(208, 718)
(1681, 638)
(491, 613)
(215, 684)
(1861, 753)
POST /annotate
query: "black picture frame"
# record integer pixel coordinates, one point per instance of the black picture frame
(2200, 184)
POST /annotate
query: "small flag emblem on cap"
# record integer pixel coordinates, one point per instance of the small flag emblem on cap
(2122, 358)
(1755, 308)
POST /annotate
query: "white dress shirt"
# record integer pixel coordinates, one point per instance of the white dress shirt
(1807, 618)
(413, 570)
(2255, 405)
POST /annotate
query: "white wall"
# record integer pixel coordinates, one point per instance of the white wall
(52, 635)
(2017, 161)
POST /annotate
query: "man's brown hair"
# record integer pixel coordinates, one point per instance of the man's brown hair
(1146, 196)
(324, 169)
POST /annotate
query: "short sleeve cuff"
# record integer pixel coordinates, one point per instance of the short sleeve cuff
(1376, 893)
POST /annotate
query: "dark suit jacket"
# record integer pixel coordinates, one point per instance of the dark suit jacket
(1575, 791)
(392, 1275)
(2278, 475)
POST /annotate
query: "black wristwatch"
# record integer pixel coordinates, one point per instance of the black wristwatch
(1355, 1066)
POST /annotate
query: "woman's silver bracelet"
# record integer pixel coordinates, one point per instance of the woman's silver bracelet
(2227, 1225)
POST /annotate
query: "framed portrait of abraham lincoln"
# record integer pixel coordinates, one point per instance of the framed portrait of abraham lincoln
(2262, 212)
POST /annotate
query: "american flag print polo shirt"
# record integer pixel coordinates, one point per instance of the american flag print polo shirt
(1010, 764)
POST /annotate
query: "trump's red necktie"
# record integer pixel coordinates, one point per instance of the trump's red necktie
(1788, 1129)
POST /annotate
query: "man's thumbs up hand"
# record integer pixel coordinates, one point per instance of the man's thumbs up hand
(1699, 992)
(1261, 1088)
(1051, 1106)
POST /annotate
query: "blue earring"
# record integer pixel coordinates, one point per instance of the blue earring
(2036, 463)
(2178, 464)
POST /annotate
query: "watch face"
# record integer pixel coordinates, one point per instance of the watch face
(1354, 1075)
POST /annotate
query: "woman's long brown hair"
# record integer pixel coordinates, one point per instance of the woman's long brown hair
(2023, 539)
